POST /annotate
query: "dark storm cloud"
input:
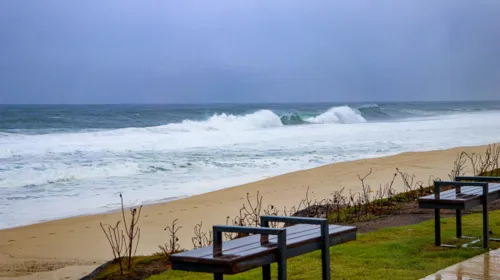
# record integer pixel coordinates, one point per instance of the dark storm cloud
(248, 51)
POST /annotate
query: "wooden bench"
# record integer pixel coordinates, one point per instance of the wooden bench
(468, 192)
(260, 249)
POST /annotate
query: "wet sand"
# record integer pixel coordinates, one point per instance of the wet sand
(80, 241)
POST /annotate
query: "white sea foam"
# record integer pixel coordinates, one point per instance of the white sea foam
(54, 175)
(224, 122)
(341, 114)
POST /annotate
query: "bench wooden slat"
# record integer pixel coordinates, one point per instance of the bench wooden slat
(473, 191)
(291, 242)
(241, 242)
(246, 252)
(467, 197)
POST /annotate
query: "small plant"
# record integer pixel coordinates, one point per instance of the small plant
(172, 246)
(459, 165)
(116, 239)
(124, 243)
(133, 232)
(366, 190)
(201, 238)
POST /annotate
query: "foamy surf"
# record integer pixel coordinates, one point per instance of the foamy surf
(340, 115)
(72, 171)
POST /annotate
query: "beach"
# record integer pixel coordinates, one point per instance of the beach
(80, 240)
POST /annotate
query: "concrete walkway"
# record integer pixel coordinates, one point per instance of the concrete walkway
(482, 267)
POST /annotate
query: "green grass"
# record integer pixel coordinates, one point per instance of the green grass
(494, 173)
(397, 253)
(138, 263)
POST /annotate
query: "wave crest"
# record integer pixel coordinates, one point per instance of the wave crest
(224, 122)
(341, 115)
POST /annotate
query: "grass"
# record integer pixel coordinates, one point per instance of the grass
(140, 264)
(494, 173)
(401, 252)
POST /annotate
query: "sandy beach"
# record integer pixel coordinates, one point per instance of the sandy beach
(79, 245)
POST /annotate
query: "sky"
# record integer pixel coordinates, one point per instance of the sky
(166, 51)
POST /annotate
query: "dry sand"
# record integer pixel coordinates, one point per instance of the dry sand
(79, 241)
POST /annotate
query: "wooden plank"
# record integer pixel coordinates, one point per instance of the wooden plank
(263, 257)
(466, 193)
(241, 242)
(304, 248)
(238, 253)
(293, 241)
(468, 197)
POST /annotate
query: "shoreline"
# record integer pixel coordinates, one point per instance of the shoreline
(175, 198)
(79, 240)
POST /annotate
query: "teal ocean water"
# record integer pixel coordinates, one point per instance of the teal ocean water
(64, 160)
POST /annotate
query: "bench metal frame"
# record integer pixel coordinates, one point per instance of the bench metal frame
(460, 181)
(220, 262)
(325, 241)
(264, 232)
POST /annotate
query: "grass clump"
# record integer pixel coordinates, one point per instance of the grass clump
(402, 252)
(141, 267)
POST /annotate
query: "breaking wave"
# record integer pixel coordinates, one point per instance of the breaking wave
(266, 119)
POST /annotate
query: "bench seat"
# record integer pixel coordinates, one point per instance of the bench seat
(468, 192)
(466, 198)
(245, 253)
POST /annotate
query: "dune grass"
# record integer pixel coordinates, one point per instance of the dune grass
(397, 253)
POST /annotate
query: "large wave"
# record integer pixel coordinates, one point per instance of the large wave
(225, 122)
(266, 119)
(341, 115)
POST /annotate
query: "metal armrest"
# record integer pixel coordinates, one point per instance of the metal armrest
(264, 221)
(477, 178)
(325, 236)
(458, 185)
(264, 236)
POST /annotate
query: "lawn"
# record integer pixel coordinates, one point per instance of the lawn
(396, 253)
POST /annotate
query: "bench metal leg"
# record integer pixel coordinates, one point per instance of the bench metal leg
(486, 228)
(437, 227)
(282, 256)
(266, 272)
(459, 223)
(325, 251)
(218, 276)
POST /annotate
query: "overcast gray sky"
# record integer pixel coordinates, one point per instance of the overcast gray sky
(248, 51)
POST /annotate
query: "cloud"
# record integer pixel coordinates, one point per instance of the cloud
(242, 51)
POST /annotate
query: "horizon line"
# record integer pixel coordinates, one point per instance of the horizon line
(246, 103)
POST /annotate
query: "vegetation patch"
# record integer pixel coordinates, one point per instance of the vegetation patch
(141, 268)
(402, 252)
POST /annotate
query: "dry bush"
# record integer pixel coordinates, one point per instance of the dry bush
(201, 238)
(117, 242)
(124, 243)
(459, 165)
(173, 245)
(132, 231)
(481, 164)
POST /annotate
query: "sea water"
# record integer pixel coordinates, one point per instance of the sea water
(65, 160)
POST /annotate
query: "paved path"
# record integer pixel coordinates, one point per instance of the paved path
(482, 267)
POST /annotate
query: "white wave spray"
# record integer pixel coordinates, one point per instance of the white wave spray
(341, 114)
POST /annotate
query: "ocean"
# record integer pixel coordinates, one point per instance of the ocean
(66, 160)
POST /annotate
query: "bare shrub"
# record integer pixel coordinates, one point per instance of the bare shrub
(173, 245)
(117, 242)
(132, 231)
(201, 238)
(366, 191)
(459, 165)
(481, 164)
